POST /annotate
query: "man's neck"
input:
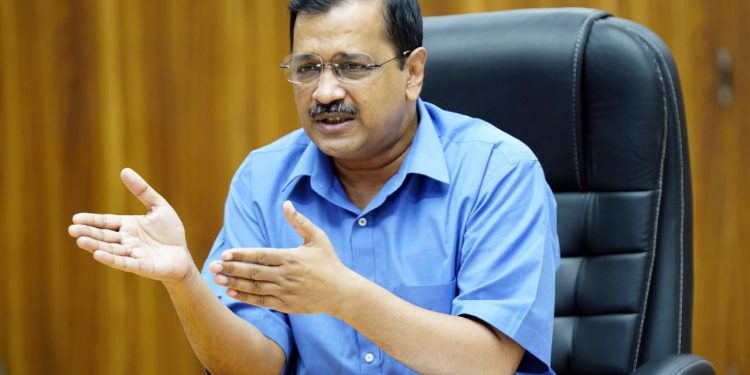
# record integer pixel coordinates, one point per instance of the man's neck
(361, 185)
(362, 181)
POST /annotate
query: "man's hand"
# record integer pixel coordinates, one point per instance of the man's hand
(151, 245)
(309, 279)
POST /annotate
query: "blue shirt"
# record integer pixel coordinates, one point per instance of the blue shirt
(467, 226)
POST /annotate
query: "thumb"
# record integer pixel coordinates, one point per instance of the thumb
(309, 231)
(141, 189)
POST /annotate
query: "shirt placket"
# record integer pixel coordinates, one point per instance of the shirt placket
(363, 262)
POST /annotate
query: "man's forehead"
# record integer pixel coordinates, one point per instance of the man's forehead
(351, 24)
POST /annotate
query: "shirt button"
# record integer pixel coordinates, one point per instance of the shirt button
(362, 222)
(369, 357)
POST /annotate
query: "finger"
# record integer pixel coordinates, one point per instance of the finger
(106, 235)
(255, 287)
(106, 221)
(245, 270)
(265, 256)
(141, 189)
(270, 302)
(122, 263)
(90, 244)
(309, 231)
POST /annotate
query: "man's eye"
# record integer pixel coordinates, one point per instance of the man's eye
(307, 68)
(352, 67)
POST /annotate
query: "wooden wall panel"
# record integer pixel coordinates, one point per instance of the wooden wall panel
(182, 90)
(722, 189)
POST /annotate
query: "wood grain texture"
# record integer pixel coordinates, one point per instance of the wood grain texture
(182, 90)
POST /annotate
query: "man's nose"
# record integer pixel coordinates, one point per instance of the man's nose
(329, 88)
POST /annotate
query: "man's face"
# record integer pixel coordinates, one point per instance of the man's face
(380, 99)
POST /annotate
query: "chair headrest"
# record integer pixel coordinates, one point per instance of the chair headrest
(522, 71)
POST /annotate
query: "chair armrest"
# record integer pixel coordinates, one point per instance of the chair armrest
(681, 364)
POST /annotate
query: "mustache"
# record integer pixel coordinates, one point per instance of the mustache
(337, 107)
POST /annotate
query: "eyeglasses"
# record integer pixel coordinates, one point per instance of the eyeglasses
(306, 68)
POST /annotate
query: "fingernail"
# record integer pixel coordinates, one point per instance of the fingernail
(221, 279)
(291, 206)
(232, 292)
(226, 255)
(215, 266)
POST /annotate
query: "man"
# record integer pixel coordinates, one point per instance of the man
(428, 238)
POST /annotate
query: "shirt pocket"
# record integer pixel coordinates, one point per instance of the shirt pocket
(438, 297)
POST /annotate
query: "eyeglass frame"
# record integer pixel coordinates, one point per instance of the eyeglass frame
(334, 67)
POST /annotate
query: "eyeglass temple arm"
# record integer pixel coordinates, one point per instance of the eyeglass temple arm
(375, 66)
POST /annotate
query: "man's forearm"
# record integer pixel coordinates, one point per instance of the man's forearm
(223, 342)
(426, 341)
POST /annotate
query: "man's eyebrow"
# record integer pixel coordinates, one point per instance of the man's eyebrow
(347, 54)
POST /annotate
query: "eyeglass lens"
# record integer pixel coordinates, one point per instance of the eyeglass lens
(306, 68)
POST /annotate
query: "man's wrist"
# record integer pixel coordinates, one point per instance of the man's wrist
(190, 278)
(354, 294)
(347, 291)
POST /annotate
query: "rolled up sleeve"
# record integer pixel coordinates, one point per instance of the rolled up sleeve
(509, 257)
(242, 228)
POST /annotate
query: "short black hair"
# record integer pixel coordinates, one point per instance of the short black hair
(403, 19)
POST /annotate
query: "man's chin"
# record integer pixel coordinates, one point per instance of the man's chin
(337, 149)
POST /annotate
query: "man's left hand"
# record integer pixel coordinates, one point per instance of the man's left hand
(309, 279)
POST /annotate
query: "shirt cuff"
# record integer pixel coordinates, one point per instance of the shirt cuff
(270, 323)
(537, 356)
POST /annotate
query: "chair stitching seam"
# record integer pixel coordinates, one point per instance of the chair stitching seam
(579, 37)
(658, 202)
(682, 188)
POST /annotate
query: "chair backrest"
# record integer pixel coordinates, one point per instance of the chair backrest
(597, 98)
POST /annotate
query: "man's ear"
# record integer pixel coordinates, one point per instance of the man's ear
(415, 68)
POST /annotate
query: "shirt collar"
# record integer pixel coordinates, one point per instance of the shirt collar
(425, 157)
(314, 164)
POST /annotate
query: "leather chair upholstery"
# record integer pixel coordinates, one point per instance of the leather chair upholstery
(598, 99)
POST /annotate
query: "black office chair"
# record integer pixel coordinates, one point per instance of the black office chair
(597, 98)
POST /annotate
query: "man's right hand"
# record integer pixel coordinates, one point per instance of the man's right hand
(151, 245)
